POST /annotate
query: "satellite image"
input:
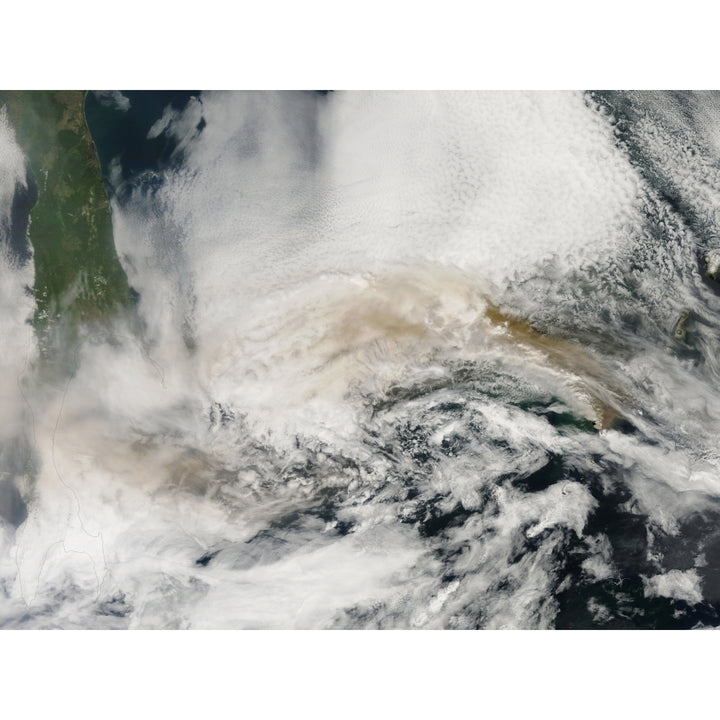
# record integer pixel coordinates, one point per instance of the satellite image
(359, 360)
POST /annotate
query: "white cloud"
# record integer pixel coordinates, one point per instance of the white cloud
(326, 256)
(677, 584)
(113, 99)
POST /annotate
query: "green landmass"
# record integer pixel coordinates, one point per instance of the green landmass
(78, 277)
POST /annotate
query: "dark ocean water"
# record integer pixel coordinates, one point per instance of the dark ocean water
(124, 134)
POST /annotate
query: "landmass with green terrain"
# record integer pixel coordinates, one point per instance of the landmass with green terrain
(78, 277)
